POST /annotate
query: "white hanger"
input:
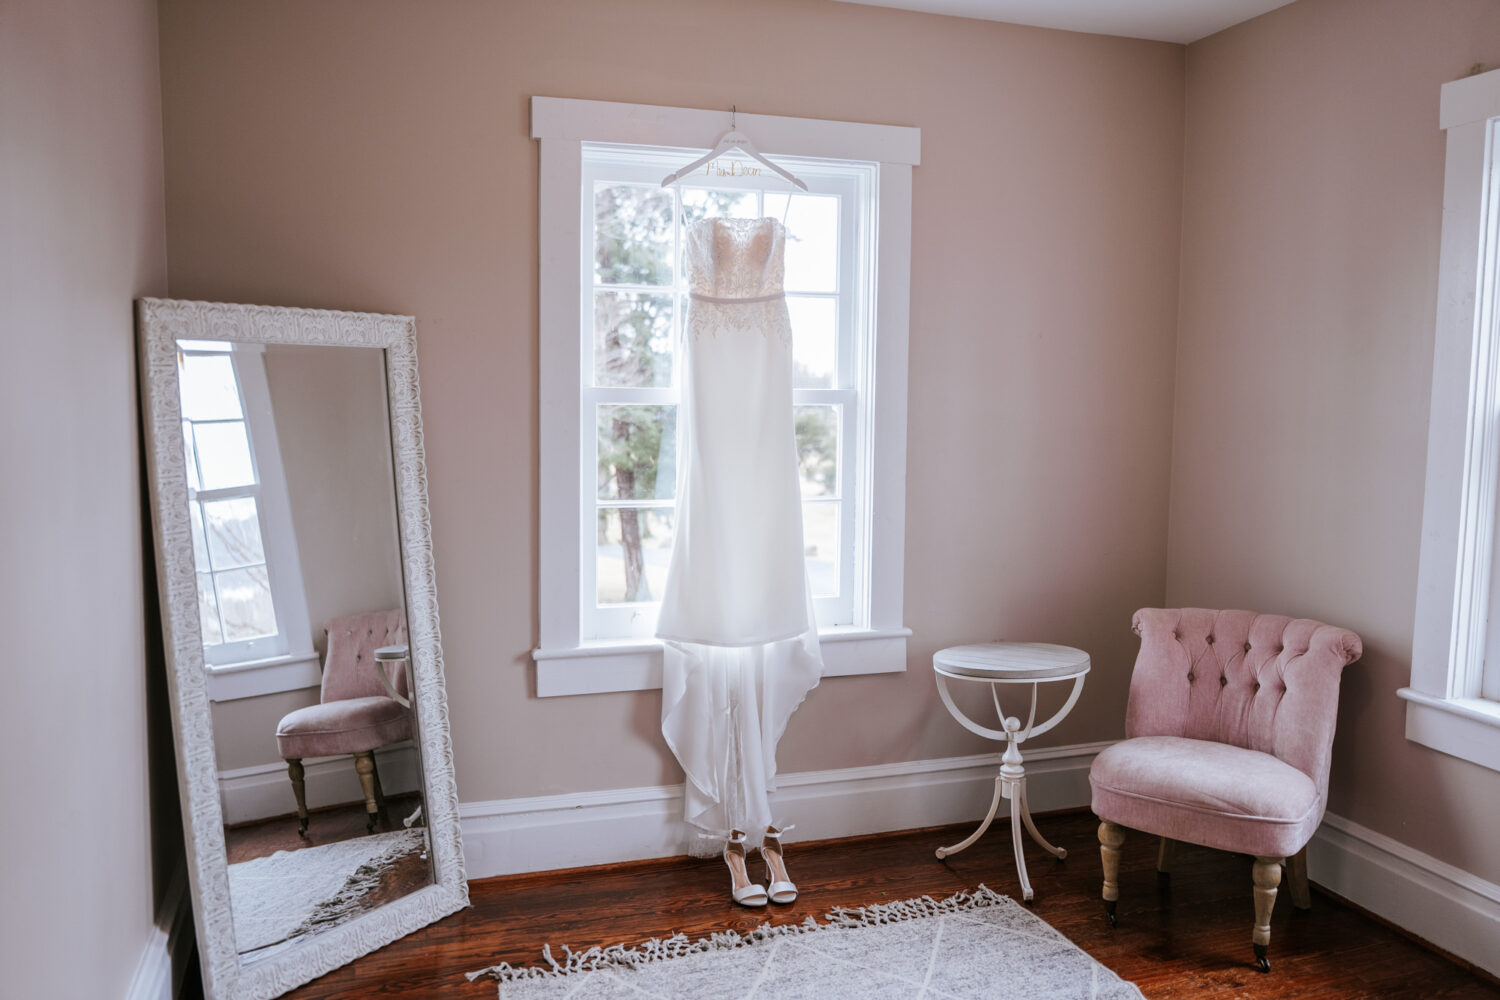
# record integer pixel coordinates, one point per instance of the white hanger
(729, 141)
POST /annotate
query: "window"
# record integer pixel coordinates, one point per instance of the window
(1453, 703)
(250, 601)
(613, 301)
(635, 303)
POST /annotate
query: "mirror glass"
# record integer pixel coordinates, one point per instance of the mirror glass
(292, 506)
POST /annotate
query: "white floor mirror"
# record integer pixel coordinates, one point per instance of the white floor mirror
(299, 607)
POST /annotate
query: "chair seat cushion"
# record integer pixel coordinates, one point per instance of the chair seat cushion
(351, 725)
(1206, 793)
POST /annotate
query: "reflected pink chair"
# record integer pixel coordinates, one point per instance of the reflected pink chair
(1229, 734)
(355, 715)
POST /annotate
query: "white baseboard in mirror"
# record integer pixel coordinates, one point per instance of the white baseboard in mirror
(247, 794)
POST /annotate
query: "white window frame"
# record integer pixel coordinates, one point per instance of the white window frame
(285, 661)
(875, 642)
(1446, 707)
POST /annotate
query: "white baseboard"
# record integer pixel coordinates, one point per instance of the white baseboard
(251, 793)
(544, 832)
(1455, 910)
(158, 974)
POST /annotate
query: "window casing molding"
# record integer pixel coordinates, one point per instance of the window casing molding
(1446, 704)
(876, 642)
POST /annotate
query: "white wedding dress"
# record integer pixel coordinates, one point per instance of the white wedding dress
(740, 640)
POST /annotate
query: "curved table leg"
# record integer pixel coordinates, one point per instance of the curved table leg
(1057, 852)
(1016, 810)
(943, 852)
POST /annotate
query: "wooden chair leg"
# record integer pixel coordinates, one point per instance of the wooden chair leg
(1111, 837)
(1266, 876)
(1296, 880)
(379, 792)
(299, 789)
(1164, 855)
(364, 766)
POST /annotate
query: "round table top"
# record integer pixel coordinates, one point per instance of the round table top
(1012, 661)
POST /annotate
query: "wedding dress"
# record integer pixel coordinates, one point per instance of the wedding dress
(740, 639)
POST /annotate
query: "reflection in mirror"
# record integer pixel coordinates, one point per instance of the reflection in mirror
(292, 508)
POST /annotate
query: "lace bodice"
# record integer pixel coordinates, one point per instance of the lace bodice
(735, 258)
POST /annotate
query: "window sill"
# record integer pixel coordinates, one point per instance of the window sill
(601, 667)
(273, 675)
(1468, 728)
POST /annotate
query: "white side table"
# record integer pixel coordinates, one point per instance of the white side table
(996, 663)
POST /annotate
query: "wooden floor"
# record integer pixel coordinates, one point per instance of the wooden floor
(1178, 937)
(331, 824)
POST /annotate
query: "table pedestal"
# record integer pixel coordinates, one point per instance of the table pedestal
(1010, 783)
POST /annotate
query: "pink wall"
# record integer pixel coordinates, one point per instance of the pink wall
(1312, 210)
(91, 835)
(374, 155)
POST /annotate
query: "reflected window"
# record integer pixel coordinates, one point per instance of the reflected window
(237, 605)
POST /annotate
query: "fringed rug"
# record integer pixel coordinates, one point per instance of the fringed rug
(968, 946)
(282, 897)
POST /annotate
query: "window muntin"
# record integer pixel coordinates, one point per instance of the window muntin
(633, 314)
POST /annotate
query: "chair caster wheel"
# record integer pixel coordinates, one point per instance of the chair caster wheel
(1262, 963)
(1109, 911)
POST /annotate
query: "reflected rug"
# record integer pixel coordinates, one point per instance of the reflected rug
(279, 898)
(972, 945)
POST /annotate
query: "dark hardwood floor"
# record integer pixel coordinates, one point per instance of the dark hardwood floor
(1178, 937)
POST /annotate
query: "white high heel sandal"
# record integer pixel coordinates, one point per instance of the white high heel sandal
(745, 892)
(782, 889)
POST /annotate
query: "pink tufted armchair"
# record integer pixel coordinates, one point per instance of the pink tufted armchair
(1229, 733)
(355, 715)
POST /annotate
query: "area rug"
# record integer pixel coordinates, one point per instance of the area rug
(972, 945)
(282, 897)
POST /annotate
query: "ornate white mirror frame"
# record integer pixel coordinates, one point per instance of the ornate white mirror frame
(161, 323)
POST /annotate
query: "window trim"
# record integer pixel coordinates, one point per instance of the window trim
(565, 664)
(1444, 707)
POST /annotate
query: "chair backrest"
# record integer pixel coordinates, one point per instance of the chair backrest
(1263, 682)
(349, 665)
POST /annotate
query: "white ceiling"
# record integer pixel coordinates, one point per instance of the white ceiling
(1162, 20)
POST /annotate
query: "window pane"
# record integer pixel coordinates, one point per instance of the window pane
(233, 533)
(820, 539)
(702, 203)
(815, 337)
(245, 601)
(200, 547)
(208, 610)
(812, 240)
(632, 234)
(209, 391)
(224, 455)
(192, 459)
(818, 450)
(634, 548)
(632, 339)
(637, 452)
(204, 345)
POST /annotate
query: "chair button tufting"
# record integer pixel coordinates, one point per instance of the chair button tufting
(1191, 678)
(1256, 686)
(1247, 647)
(1223, 680)
(1210, 640)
